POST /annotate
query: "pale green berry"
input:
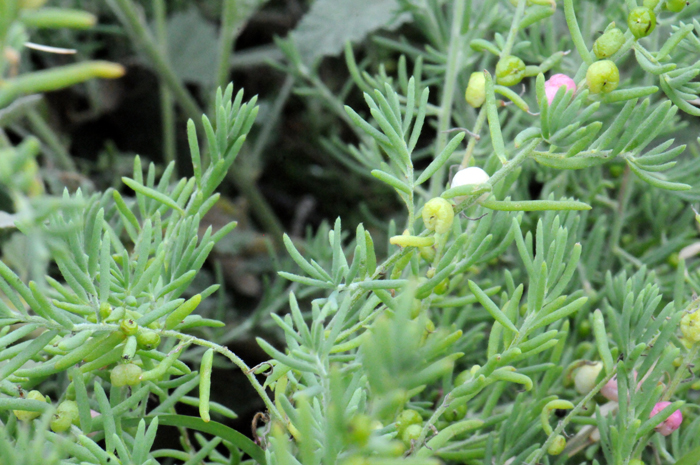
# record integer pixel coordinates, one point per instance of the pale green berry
(675, 6)
(651, 4)
(147, 339)
(129, 326)
(585, 377)
(609, 43)
(557, 446)
(27, 415)
(690, 327)
(602, 77)
(438, 215)
(360, 429)
(407, 418)
(475, 95)
(641, 22)
(127, 374)
(411, 433)
(66, 414)
(510, 70)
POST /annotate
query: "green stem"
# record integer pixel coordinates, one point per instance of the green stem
(455, 49)
(514, 28)
(622, 200)
(472, 141)
(227, 38)
(576, 35)
(236, 361)
(167, 111)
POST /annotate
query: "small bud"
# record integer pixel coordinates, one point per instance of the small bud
(584, 379)
(510, 70)
(438, 215)
(475, 95)
(609, 43)
(66, 414)
(602, 77)
(557, 446)
(641, 22)
(672, 423)
(552, 85)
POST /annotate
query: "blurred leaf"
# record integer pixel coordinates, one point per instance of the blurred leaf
(330, 23)
(192, 47)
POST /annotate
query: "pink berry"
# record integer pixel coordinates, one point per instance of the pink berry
(552, 85)
(669, 425)
(609, 391)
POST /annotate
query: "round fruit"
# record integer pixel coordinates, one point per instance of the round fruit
(129, 326)
(27, 415)
(411, 433)
(609, 43)
(602, 77)
(641, 21)
(557, 447)
(147, 339)
(475, 95)
(510, 70)
(438, 215)
(126, 374)
(675, 6)
(407, 418)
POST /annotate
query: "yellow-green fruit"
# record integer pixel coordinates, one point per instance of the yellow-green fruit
(636, 462)
(510, 70)
(557, 447)
(475, 95)
(675, 6)
(26, 415)
(147, 339)
(360, 429)
(129, 326)
(125, 375)
(651, 4)
(609, 43)
(585, 377)
(438, 215)
(690, 326)
(602, 77)
(411, 433)
(407, 418)
(641, 21)
(66, 414)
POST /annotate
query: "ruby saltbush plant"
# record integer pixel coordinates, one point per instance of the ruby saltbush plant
(536, 302)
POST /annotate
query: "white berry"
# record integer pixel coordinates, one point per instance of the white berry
(469, 176)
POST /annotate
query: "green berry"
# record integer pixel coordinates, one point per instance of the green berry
(602, 77)
(636, 462)
(147, 339)
(427, 253)
(407, 418)
(411, 433)
(609, 43)
(360, 429)
(651, 4)
(510, 70)
(690, 326)
(126, 374)
(438, 215)
(675, 6)
(557, 447)
(26, 415)
(66, 414)
(129, 326)
(641, 22)
(475, 95)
